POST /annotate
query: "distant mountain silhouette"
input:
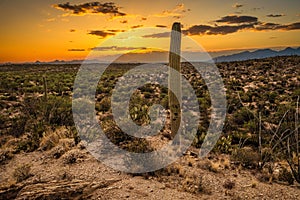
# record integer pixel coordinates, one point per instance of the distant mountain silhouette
(261, 53)
(162, 57)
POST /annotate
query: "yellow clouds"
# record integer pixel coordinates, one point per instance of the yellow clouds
(177, 12)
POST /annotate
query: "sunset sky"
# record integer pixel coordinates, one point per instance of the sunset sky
(57, 30)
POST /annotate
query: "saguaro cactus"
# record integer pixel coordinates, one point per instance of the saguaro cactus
(175, 78)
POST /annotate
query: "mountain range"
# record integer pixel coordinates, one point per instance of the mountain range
(258, 54)
(162, 57)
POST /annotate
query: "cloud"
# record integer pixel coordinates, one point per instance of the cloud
(158, 35)
(234, 23)
(257, 8)
(116, 48)
(226, 29)
(50, 20)
(216, 30)
(76, 49)
(273, 26)
(161, 26)
(239, 12)
(72, 30)
(234, 19)
(176, 12)
(275, 15)
(115, 31)
(90, 8)
(137, 26)
(104, 34)
(267, 26)
(123, 21)
(293, 26)
(143, 18)
(237, 5)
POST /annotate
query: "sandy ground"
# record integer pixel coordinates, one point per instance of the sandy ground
(83, 177)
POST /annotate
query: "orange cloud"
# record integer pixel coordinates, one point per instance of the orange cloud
(90, 8)
(177, 12)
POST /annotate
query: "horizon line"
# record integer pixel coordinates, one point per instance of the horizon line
(276, 48)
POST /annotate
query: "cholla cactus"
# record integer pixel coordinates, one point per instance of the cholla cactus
(175, 78)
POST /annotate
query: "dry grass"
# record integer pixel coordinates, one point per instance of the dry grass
(72, 156)
(22, 172)
(52, 138)
(63, 146)
(213, 166)
(195, 184)
(225, 163)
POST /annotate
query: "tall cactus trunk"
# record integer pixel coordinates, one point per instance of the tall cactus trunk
(175, 78)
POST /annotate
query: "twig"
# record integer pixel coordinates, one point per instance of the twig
(278, 126)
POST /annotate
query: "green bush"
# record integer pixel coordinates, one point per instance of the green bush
(247, 157)
(224, 144)
(104, 105)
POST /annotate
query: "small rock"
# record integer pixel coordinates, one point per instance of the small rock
(130, 188)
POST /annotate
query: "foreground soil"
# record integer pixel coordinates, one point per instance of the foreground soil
(77, 175)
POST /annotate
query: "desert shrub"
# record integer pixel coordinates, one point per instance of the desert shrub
(22, 172)
(265, 175)
(49, 141)
(72, 156)
(139, 114)
(4, 139)
(57, 151)
(224, 144)
(213, 167)
(18, 126)
(195, 185)
(229, 184)
(210, 166)
(104, 105)
(36, 115)
(51, 138)
(3, 118)
(58, 111)
(165, 102)
(242, 116)
(5, 155)
(147, 95)
(247, 157)
(272, 97)
(137, 146)
(62, 147)
(28, 142)
(113, 132)
(251, 126)
(286, 176)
